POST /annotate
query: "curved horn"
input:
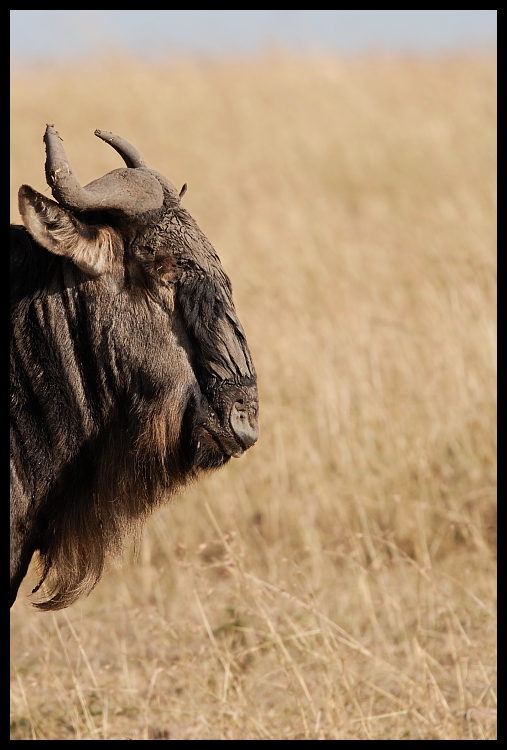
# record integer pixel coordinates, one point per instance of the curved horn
(128, 153)
(124, 191)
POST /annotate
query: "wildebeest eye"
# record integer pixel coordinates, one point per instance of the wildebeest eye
(165, 265)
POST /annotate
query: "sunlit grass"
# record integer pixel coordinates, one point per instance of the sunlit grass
(339, 581)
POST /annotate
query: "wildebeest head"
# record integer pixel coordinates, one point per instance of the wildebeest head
(130, 228)
(145, 367)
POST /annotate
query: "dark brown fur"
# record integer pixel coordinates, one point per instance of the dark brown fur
(130, 375)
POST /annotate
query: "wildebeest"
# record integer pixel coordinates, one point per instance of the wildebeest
(130, 371)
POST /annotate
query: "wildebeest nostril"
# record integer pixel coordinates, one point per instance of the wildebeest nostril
(244, 424)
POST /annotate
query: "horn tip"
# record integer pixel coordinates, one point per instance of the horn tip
(104, 134)
(49, 133)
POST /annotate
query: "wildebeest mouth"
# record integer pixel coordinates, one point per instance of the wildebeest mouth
(228, 446)
(228, 443)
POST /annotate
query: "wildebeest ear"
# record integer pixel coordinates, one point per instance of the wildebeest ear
(60, 232)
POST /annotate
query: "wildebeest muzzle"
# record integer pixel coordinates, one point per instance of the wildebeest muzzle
(234, 421)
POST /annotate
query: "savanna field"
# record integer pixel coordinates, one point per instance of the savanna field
(339, 581)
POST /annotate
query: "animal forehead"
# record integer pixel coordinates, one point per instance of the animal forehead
(167, 185)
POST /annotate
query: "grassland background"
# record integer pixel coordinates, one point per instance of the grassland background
(339, 581)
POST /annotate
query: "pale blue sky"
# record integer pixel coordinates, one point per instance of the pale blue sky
(38, 35)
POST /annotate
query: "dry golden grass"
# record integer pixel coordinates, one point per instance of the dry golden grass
(338, 582)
